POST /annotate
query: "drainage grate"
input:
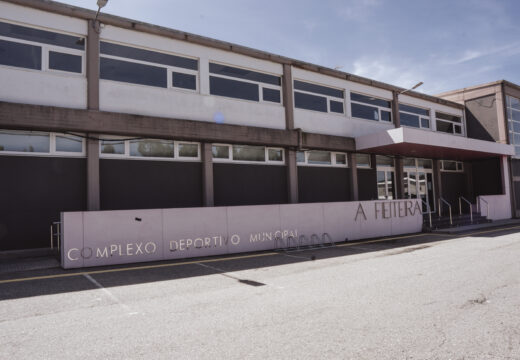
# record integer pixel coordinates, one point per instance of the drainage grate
(250, 282)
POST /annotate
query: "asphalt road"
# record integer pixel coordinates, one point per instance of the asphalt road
(421, 297)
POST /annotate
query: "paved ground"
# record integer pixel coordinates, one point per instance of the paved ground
(421, 297)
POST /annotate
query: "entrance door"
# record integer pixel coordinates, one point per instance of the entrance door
(418, 182)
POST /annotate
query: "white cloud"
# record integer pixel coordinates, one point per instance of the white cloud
(469, 55)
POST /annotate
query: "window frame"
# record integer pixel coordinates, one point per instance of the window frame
(52, 145)
(457, 163)
(421, 117)
(230, 159)
(329, 98)
(380, 108)
(364, 166)
(454, 123)
(332, 158)
(261, 85)
(512, 133)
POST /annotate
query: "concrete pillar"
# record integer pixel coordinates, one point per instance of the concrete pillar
(395, 109)
(287, 89)
(354, 188)
(399, 178)
(437, 181)
(93, 186)
(93, 190)
(208, 197)
(292, 176)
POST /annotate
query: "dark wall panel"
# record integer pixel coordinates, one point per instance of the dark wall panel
(517, 194)
(515, 167)
(244, 184)
(145, 184)
(33, 192)
(454, 185)
(367, 184)
(487, 179)
(481, 118)
(323, 184)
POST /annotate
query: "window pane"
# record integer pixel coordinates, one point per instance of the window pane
(188, 150)
(319, 157)
(24, 141)
(318, 89)
(384, 160)
(151, 148)
(300, 157)
(413, 109)
(275, 154)
(220, 151)
(425, 123)
(64, 62)
(515, 115)
(444, 126)
(448, 117)
(134, 73)
(514, 102)
(184, 81)
(370, 100)
(386, 116)
(408, 162)
(449, 165)
(41, 36)
(390, 183)
(113, 147)
(271, 95)
(365, 112)
(516, 126)
(244, 74)
(363, 160)
(460, 166)
(424, 164)
(458, 129)
(381, 188)
(69, 143)
(409, 119)
(336, 106)
(147, 55)
(515, 139)
(233, 88)
(341, 159)
(310, 102)
(20, 55)
(248, 153)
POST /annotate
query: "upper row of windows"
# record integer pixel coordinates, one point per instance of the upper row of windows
(46, 50)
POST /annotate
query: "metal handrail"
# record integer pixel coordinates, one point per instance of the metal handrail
(56, 234)
(470, 207)
(449, 208)
(479, 199)
(428, 209)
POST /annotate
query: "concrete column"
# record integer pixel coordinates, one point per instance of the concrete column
(287, 88)
(93, 66)
(204, 76)
(395, 109)
(399, 178)
(437, 181)
(292, 176)
(93, 190)
(354, 188)
(208, 196)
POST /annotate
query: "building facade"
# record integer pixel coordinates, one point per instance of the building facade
(116, 114)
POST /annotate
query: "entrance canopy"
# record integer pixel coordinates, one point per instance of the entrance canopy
(411, 142)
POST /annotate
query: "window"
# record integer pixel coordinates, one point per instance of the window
(453, 166)
(321, 158)
(27, 48)
(244, 84)
(450, 124)
(513, 117)
(148, 149)
(247, 154)
(40, 143)
(385, 177)
(146, 67)
(370, 108)
(363, 161)
(315, 97)
(414, 116)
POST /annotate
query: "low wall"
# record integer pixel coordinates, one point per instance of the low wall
(498, 206)
(96, 238)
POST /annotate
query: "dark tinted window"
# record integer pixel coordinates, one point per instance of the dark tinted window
(370, 100)
(271, 95)
(425, 123)
(310, 102)
(21, 55)
(64, 62)
(414, 110)
(445, 127)
(129, 72)
(147, 55)
(42, 36)
(318, 89)
(448, 117)
(386, 116)
(243, 74)
(184, 81)
(233, 88)
(409, 119)
(365, 112)
(336, 106)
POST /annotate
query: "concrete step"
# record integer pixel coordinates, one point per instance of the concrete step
(486, 225)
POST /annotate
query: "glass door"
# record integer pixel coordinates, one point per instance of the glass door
(418, 182)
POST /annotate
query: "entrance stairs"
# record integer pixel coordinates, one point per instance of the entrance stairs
(443, 222)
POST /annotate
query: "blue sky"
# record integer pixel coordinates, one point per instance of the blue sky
(447, 44)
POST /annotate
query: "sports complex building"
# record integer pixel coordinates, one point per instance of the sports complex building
(115, 114)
